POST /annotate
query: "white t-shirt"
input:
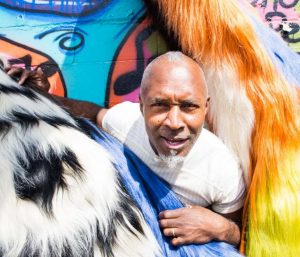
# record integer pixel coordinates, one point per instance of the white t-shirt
(209, 176)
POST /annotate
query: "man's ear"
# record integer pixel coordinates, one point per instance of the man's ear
(141, 104)
(207, 104)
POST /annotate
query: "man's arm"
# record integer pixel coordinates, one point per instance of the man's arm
(195, 224)
(84, 109)
(38, 81)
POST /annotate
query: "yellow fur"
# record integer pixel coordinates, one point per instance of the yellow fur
(215, 32)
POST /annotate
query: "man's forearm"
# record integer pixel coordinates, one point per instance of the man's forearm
(36, 80)
(80, 108)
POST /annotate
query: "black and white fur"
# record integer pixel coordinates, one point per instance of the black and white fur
(59, 193)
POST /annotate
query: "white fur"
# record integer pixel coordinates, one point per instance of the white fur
(95, 194)
(231, 113)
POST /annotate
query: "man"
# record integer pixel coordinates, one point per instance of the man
(165, 131)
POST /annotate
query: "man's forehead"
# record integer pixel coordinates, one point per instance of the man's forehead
(183, 75)
(176, 82)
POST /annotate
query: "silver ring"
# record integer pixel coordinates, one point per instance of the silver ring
(173, 232)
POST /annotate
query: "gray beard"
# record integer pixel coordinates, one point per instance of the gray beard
(170, 160)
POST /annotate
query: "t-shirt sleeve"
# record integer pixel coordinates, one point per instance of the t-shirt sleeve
(232, 188)
(118, 120)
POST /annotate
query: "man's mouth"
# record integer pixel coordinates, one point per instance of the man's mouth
(174, 143)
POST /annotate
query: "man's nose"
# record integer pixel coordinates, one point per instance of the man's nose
(174, 118)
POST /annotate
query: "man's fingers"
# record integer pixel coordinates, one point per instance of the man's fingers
(12, 71)
(172, 232)
(24, 76)
(18, 74)
(170, 214)
(168, 223)
(41, 80)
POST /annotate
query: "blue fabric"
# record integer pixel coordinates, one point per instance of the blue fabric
(153, 195)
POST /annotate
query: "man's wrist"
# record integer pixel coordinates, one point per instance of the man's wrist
(231, 233)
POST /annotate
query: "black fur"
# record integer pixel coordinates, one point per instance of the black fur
(45, 175)
(19, 91)
(5, 126)
(40, 171)
(106, 242)
(28, 120)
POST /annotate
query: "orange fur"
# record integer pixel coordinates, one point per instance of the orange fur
(215, 32)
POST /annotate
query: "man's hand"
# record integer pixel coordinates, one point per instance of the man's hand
(37, 80)
(195, 224)
(34, 78)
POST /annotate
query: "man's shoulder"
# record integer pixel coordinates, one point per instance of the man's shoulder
(121, 118)
(125, 107)
(211, 149)
(125, 112)
(210, 141)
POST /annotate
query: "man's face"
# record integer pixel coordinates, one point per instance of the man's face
(174, 106)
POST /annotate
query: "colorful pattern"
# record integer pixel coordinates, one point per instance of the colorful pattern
(283, 17)
(28, 58)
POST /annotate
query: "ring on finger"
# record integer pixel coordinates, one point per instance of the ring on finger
(173, 232)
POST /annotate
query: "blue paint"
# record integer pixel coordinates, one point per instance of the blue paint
(133, 20)
(86, 52)
(73, 8)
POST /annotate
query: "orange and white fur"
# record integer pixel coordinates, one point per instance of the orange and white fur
(254, 110)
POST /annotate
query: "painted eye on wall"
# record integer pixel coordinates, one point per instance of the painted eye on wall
(60, 7)
(70, 40)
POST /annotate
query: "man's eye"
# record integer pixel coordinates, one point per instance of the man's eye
(188, 107)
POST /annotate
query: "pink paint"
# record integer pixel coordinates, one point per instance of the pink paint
(290, 13)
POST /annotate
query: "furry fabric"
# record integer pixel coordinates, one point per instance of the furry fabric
(153, 195)
(252, 78)
(60, 195)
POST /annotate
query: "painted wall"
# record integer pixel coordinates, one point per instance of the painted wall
(284, 17)
(96, 50)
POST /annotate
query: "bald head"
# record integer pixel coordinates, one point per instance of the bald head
(174, 103)
(170, 60)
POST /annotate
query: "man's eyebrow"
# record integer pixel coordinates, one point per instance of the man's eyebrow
(159, 100)
(189, 102)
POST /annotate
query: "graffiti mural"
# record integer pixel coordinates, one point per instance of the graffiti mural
(27, 58)
(87, 49)
(96, 50)
(284, 17)
(67, 8)
(125, 77)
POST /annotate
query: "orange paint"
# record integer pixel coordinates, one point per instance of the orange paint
(14, 50)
